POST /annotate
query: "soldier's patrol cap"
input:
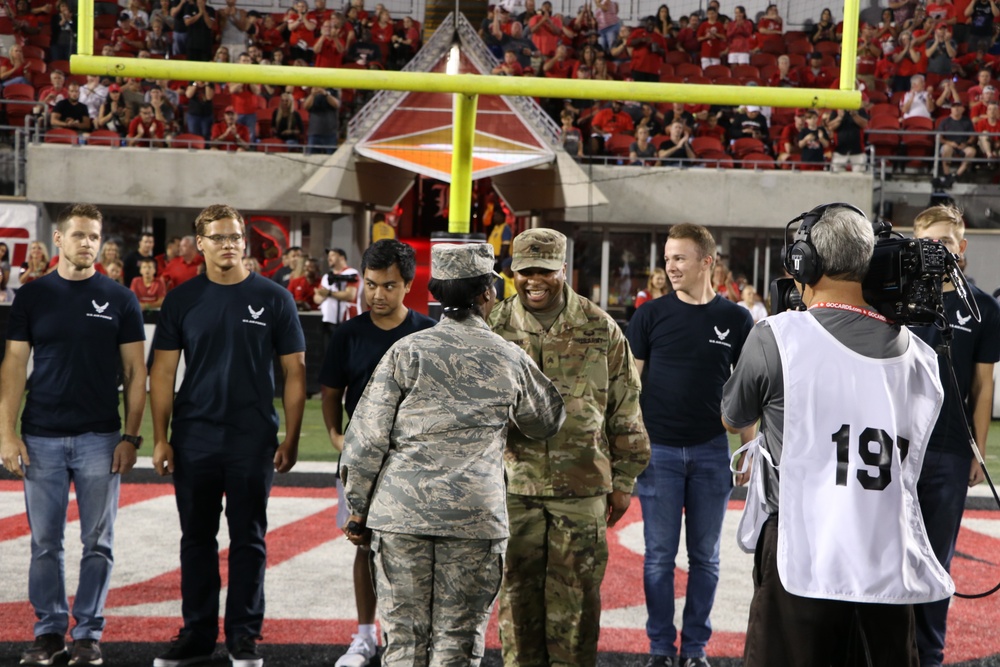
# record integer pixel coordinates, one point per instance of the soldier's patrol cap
(451, 261)
(538, 249)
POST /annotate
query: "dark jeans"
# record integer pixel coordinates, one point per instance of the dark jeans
(941, 491)
(243, 473)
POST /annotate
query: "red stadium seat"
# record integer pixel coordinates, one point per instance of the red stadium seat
(187, 140)
(619, 144)
(104, 138)
(757, 161)
(62, 135)
(746, 145)
(706, 144)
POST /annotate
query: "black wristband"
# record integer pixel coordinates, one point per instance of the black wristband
(134, 440)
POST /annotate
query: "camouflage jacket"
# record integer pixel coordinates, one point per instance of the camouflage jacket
(423, 454)
(603, 445)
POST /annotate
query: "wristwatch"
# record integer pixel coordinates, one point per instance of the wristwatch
(134, 440)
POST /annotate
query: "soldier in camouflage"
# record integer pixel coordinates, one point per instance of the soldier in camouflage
(423, 466)
(565, 494)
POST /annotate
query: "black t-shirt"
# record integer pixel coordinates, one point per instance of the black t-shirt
(69, 110)
(356, 347)
(75, 328)
(813, 151)
(229, 335)
(849, 135)
(131, 266)
(974, 343)
(199, 34)
(689, 352)
(981, 21)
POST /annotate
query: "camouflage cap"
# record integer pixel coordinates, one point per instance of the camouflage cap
(538, 249)
(451, 261)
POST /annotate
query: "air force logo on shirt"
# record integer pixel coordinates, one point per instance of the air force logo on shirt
(99, 310)
(962, 321)
(255, 314)
(720, 337)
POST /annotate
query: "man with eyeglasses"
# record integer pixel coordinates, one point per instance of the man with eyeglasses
(229, 323)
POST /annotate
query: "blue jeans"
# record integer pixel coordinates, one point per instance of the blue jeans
(200, 125)
(608, 35)
(249, 121)
(323, 144)
(692, 482)
(941, 491)
(86, 461)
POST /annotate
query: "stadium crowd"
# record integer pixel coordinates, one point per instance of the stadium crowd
(229, 116)
(922, 70)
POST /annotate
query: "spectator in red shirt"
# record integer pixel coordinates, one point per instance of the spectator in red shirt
(712, 35)
(320, 14)
(547, 30)
(145, 129)
(560, 65)
(771, 23)
(301, 31)
(14, 68)
(687, 37)
(244, 98)
(148, 289)
(509, 66)
(975, 93)
(785, 76)
(232, 135)
(382, 32)
(788, 142)
(330, 47)
(990, 125)
(814, 75)
(184, 267)
(126, 38)
(978, 111)
(647, 47)
(942, 11)
(304, 282)
(606, 122)
(54, 93)
(739, 32)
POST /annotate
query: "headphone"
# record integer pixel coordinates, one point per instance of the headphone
(801, 260)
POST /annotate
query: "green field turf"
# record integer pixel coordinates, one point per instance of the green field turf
(315, 445)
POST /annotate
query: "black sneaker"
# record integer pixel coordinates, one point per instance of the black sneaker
(86, 652)
(45, 650)
(696, 662)
(185, 649)
(662, 661)
(243, 652)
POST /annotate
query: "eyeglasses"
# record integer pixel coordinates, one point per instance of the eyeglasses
(223, 239)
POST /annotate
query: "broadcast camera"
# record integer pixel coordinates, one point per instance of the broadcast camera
(904, 278)
(341, 280)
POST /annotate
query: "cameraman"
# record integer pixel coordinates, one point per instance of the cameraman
(337, 295)
(949, 466)
(839, 564)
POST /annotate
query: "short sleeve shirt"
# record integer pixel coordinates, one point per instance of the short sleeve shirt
(75, 328)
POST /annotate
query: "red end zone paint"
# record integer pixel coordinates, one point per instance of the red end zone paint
(971, 633)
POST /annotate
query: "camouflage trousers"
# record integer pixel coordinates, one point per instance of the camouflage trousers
(435, 595)
(550, 603)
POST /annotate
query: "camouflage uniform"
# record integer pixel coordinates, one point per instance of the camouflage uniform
(423, 461)
(550, 604)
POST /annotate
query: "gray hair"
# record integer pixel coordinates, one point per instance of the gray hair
(844, 241)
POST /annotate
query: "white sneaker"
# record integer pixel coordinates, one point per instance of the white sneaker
(361, 651)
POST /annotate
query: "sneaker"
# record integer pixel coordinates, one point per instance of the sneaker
(360, 652)
(696, 662)
(86, 652)
(243, 653)
(662, 661)
(45, 650)
(185, 649)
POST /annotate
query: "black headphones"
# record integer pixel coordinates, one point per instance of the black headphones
(801, 260)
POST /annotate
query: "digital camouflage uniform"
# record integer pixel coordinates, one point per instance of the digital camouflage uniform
(423, 461)
(550, 605)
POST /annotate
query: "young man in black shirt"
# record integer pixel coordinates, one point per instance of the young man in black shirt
(230, 324)
(355, 349)
(78, 322)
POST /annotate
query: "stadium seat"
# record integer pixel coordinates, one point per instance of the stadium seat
(62, 135)
(718, 159)
(687, 70)
(30, 51)
(264, 123)
(272, 145)
(717, 71)
(677, 58)
(658, 140)
(746, 71)
(757, 161)
(763, 59)
(918, 145)
(698, 80)
(619, 144)
(187, 140)
(666, 69)
(104, 138)
(801, 47)
(772, 45)
(884, 109)
(706, 144)
(828, 48)
(746, 145)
